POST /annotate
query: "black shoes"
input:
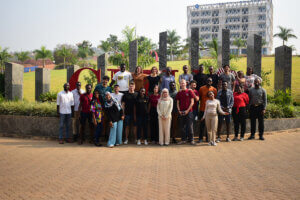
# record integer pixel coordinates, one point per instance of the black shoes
(251, 138)
(261, 138)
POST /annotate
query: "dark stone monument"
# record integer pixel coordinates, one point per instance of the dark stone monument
(133, 55)
(224, 48)
(254, 53)
(71, 69)
(102, 64)
(283, 68)
(194, 48)
(13, 81)
(42, 82)
(162, 53)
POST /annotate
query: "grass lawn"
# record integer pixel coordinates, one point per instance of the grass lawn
(59, 77)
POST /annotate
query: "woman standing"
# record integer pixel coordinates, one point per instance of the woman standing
(164, 110)
(250, 77)
(138, 78)
(153, 100)
(241, 100)
(153, 80)
(212, 108)
(115, 117)
(141, 106)
(97, 113)
(240, 80)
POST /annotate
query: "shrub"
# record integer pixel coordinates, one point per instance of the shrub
(281, 97)
(48, 96)
(281, 111)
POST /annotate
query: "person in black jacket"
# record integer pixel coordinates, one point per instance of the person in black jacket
(114, 113)
(141, 106)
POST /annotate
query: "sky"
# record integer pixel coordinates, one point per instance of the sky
(29, 24)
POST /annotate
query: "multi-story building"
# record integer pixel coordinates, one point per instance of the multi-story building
(242, 18)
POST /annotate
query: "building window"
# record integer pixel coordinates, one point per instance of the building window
(195, 14)
(215, 13)
(215, 20)
(262, 9)
(245, 19)
(245, 11)
(261, 17)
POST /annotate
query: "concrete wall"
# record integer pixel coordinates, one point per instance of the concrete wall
(26, 126)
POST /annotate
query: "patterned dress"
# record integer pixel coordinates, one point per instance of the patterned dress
(96, 109)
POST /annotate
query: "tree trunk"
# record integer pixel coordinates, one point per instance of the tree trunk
(64, 63)
(44, 63)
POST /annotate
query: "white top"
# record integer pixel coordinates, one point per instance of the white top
(211, 108)
(122, 79)
(65, 100)
(164, 108)
(76, 97)
(118, 97)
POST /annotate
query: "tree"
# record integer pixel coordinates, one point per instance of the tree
(85, 49)
(66, 56)
(43, 54)
(4, 57)
(64, 52)
(129, 33)
(105, 46)
(239, 43)
(173, 42)
(285, 34)
(22, 56)
(110, 44)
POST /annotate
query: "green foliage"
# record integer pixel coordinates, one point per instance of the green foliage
(279, 111)
(207, 63)
(65, 54)
(28, 108)
(43, 54)
(239, 43)
(85, 49)
(145, 60)
(265, 75)
(173, 42)
(4, 57)
(285, 34)
(91, 78)
(48, 97)
(281, 97)
(22, 56)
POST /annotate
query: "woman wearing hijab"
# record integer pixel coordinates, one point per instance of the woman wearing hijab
(115, 117)
(164, 110)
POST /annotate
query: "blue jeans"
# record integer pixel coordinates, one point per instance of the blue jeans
(65, 119)
(98, 132)
(115, 135)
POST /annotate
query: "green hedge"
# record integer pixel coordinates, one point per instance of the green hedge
(282, 111)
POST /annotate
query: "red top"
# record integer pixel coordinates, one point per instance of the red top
(153, 99)
(85, 101)
(240, 100)
(196, 104)
(184, 97)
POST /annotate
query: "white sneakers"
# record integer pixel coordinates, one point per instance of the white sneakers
(138, 142)
(126, 141)
(145, 142)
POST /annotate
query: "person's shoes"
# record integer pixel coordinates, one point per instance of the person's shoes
(75, 137)
(200, 141)
(138, 142)
(218, 140)
(174, 141)
(228, 139)
(181, 142)
(161, 145)
(61, 141)
(209, 144)
(214, 144)
(261, 138)
(111, 146)
(117, 144)
(241, 139)
(166, 144)
(80, 142)
(97, 144)
(69, 140)
(145, 142)
(192, 142)
(126, 141)
(251, 138)
(235, 139)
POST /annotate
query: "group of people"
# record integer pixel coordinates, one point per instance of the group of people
(133, 101)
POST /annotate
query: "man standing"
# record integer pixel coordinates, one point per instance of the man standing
(185, 101)
(226, 100)
(76, 123)
(228, 77)
(85, 113)
(185, 75)
(258, 104)
(213, 76)
(200, 77)
(65, 107)
(117, 94)
(167, 79)
(173, 93)
(102, 88)
(128, 102)
(196, 99)
(122, 78)
(203, 98)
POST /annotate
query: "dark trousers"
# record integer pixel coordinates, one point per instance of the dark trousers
(174, 124)
(154, 124)
(142, 125)
(98, 131)
(239, 118)
(187, 131)
(202, 126)
(256, 113)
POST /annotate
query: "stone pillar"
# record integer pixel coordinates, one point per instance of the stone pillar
(42, 82)
(133, 55)
(71, 69)
(13, 81)
(254, 53)
(102, 64)
(194, 48)
(224, 48)
(162, 53)
(283, 68)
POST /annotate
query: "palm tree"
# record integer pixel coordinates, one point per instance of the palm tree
(105, 46)
(213, 45)
(85, 49)
(4, 57)
(239, 43)
(285, 34)
(22, 56)
(129, 33)
(173, 41)
(43, 53)
(64, 53)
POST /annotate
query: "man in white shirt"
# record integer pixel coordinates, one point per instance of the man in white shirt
(65, 107)
(122, 78)
(117, 95)
(76, 95)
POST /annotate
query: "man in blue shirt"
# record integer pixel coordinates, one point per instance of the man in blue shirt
(167, 79)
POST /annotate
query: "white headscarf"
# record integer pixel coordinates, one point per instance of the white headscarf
(161, 95)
